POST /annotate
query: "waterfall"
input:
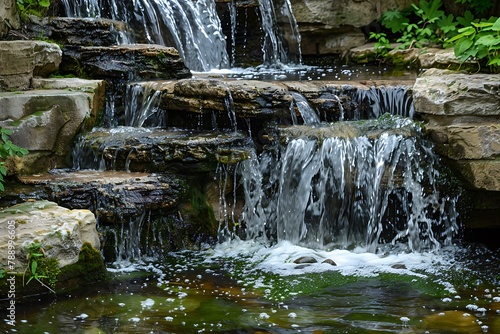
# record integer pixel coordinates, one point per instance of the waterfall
(348, 192)
(281, 44)
(393, 100)
(192, 27)
(142, 103)
(308, 114)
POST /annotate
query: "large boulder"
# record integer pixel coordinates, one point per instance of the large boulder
(61, 232)
(23, 60)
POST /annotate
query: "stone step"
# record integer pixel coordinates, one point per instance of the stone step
(160, 150)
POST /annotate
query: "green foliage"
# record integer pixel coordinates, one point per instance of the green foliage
(382, 45)
(7, 149)
(426, 24)
(39, 267)
(35, 7)
(480, 41)
(478, 6)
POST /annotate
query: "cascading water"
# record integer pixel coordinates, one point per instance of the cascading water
(192, 27)
(143, 103)
(308, 114)
(340, 190)
(281, 44)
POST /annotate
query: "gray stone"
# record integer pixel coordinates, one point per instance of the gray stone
(61, 231)
(462, 111)
(124, 62)
(305, 259)
(467, 140)
(8, 16)
(22, 60)
(161, 150)
(46, 122)
(442, 92)
(113, 196)
(333, 26)
(480, 174)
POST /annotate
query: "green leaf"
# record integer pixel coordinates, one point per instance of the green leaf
(467, 31)
(44, 3)
(34, 265)
(488, 40)
(394, 20)
(447, 24)
(462, 46)
(496, 25)
(466, 20)
(494, 61)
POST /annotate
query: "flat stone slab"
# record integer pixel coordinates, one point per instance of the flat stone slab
(111, 195)
(442, 92)
(160, 150)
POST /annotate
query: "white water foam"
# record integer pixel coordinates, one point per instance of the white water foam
(279, 259)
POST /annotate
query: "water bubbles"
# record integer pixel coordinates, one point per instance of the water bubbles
(482, 309)
(292, 315)
(148, 303)
(471, 307)
(169, 319)
(264, 315)
(404, 320)
(134, 319)
(82, 316)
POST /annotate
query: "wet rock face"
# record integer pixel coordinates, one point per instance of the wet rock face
(75, 31)
(113, 196)
(120, 64)
(149, 213)
(126, 62)
(159, 150)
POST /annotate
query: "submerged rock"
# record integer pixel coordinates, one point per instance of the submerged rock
(305, 259)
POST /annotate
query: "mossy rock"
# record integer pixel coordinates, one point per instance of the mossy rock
(89, 269)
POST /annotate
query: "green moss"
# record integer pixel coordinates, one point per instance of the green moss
(89, 268)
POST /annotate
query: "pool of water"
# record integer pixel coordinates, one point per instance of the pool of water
(308, 73)
(244, 287)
